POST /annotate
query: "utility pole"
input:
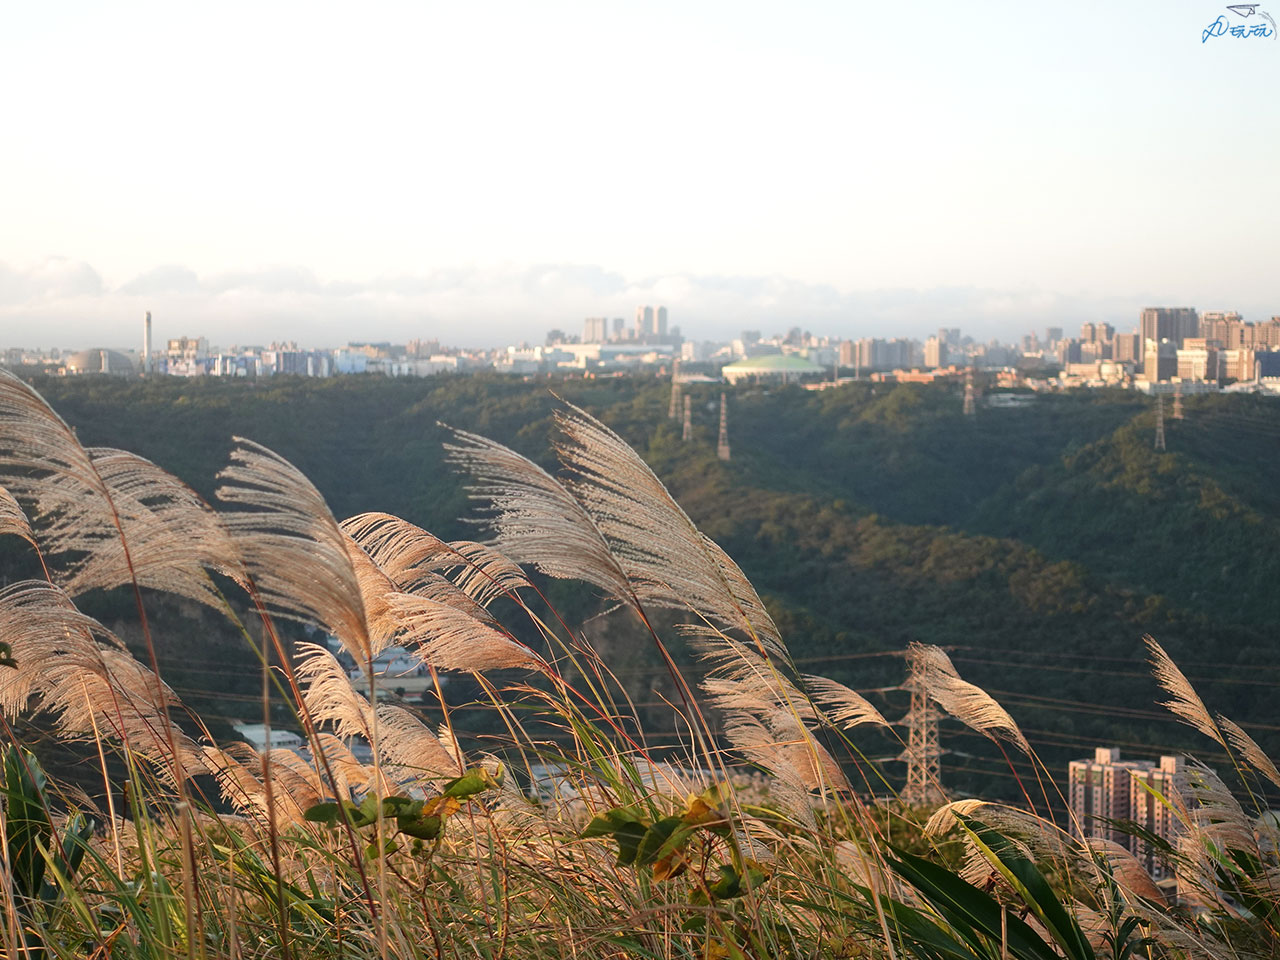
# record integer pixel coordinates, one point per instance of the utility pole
(924, 750)
(688, 419)
(1177, 402)
(1160, 421)
(970, 404)
(722, 450)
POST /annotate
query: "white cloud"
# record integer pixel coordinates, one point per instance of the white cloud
(66, 303)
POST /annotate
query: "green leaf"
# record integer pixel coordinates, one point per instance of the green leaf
(475, 780)
(421, 828)
(326, 813)
(609, 822)
(661, 839)
(629, 836)
(1031, 886)
(972, 913)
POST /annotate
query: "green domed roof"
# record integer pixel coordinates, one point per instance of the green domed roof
(773, 363)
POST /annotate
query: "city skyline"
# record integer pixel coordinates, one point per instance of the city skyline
(853, 168)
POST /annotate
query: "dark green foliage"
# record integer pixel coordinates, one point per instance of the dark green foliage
(1038, 543)
(37, 853)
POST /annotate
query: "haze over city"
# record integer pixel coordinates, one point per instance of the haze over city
(480, 175)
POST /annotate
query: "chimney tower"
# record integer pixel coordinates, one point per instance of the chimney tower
(722, 451)
(146, 345)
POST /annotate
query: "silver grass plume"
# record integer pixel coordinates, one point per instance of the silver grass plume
(844, 707)
(447, 638)
(1213, 813)
(667, 560)
(1249, 750)
(376, 595)
(13, 521)
(329, 696)
(293, 549)
(1186, 703)
(71, 666)
(1125, 868)
(535, 518)
(410, 557)
(104, 517)
(783, 745)
(410, 746)
(969, 704)
(480, 571)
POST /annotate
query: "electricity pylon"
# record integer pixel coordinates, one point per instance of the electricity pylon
(924, 750)
(688, 419)
(1160, 421)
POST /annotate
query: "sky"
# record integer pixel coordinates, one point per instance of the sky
(482, 172)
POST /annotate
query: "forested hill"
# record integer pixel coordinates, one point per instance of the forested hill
(1040, 542)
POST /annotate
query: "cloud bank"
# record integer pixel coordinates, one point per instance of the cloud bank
(66, 303)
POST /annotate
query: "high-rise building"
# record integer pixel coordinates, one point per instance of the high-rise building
(1159, 360)
(660, 323)
(1053, 334)
(1127, 346)
(1148, 812)
(619, 326)
(1107, 789)
(1169, 323)
(1100, 792)
(1200, 359)
(935, 352)
(595, 330)
(644, 322)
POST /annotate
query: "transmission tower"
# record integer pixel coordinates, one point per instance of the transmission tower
(674, 411)
(1177, 402)
(924, 752)
(722, 451)
(970, 407)
(688, 419)
(1160, 421)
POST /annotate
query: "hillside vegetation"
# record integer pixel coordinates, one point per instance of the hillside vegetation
(623, 749)
(1038, 544)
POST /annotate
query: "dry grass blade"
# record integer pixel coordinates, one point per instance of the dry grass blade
(969, 704)
(666, 558)
(537, 520)
(293, 549)
(1253, 754)
(1186, 703)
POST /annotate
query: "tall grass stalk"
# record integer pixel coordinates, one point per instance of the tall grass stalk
(567, 831)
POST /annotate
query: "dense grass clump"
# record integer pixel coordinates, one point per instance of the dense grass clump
(759, 830)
